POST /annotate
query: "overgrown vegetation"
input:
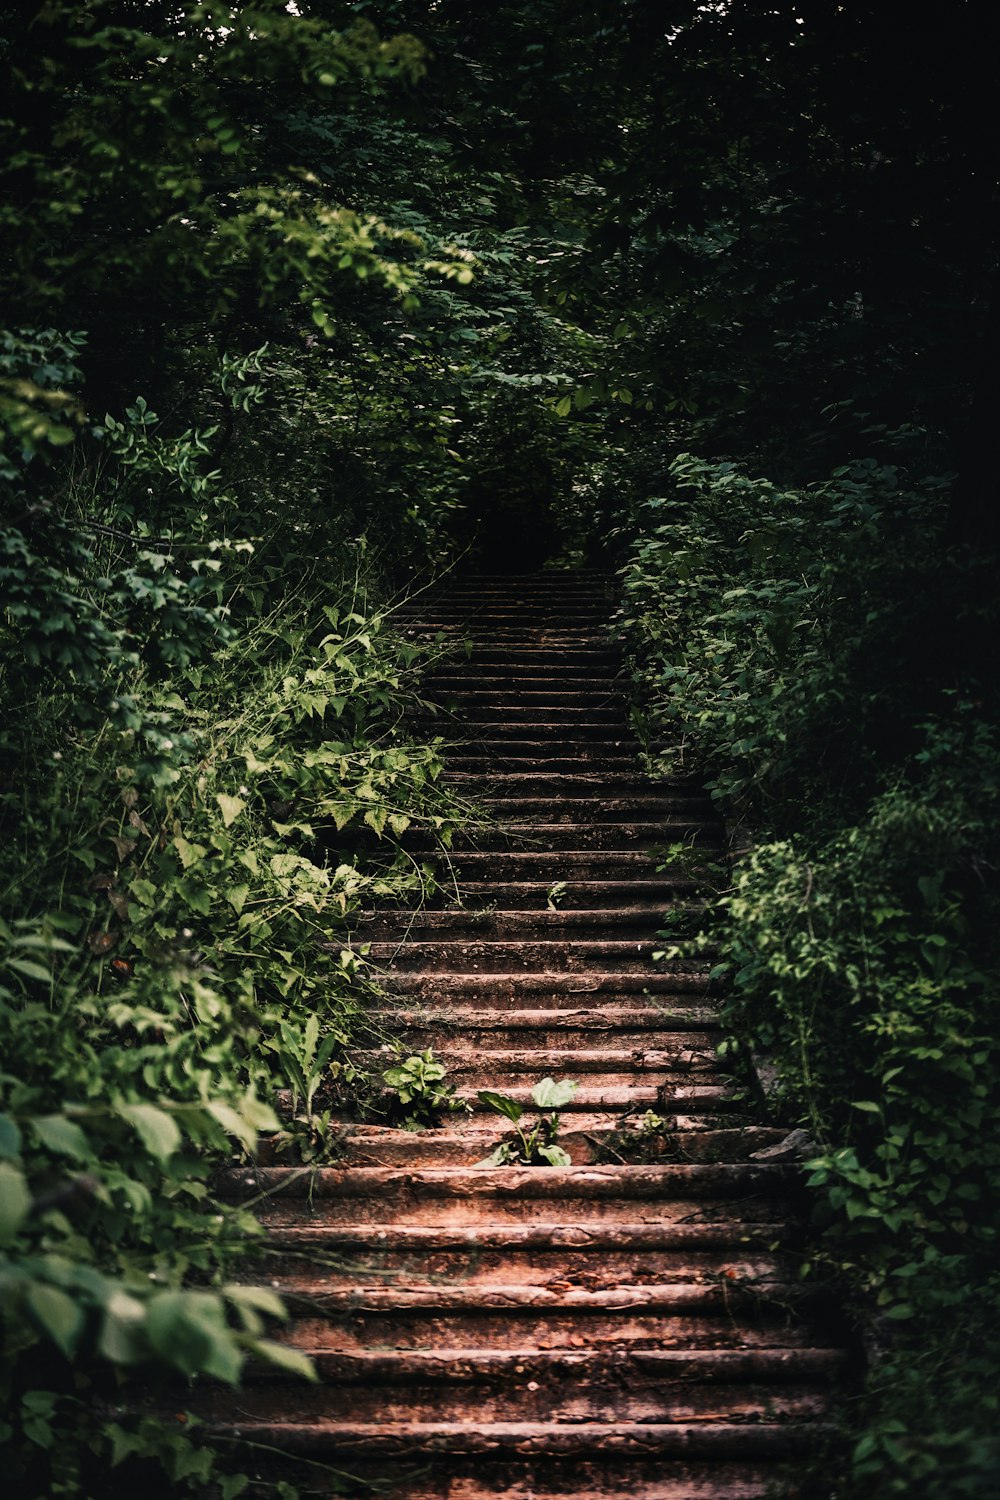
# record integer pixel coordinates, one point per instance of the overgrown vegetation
(302, 303)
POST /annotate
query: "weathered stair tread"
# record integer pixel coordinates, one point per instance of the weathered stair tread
(722, 1439)
(697, 1234)
(588, 1137)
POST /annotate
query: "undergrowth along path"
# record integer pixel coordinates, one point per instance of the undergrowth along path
(629, 1323)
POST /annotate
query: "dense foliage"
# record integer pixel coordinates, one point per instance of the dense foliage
(303, 302)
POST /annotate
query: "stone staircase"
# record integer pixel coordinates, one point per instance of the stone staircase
(631, 1324)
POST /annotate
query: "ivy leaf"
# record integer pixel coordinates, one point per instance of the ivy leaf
(156, 1129)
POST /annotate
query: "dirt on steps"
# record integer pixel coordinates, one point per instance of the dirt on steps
(632, 1324)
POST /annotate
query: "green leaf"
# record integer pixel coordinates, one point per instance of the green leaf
(551, 1095)
(61, 1136)
(15, 1201)
(10, 1137)
(188, 1330)
(236, 896)
(233, 1122)
(259, 1298)
(502, 1103)
(500, 1156)
(555, 1156)
(56, 1314)
(122, 1337)
(157, 1130)
(30, 969)
(292, 1360)
(231, 807)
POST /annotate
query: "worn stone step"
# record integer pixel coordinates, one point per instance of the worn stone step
(617, 1187)
(606, 1477)
(466, 1060)
(540, 700)
(643, 806)
(533, 1026)
(587, 1137)
(498, 955)
(570, 865)
(524, 1398)
(547, 989)
(619, 748)
(718, 1441)
(650, 896)
(631, 921)
(634, 834)
(499, 678)
(554, 1270)
(696, 1236)
(567, 785)
(513, 661)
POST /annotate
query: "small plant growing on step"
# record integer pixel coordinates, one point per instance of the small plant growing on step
(535, 1147)
(420, 1095)
(555, 895)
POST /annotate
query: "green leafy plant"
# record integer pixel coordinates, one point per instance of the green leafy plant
(420, 1094)
(536, 1146)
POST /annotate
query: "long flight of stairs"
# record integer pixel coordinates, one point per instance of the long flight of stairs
(631, 1324)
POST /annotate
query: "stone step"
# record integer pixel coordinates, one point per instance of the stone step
(588, 1137)
(569, 865)
(623, 921)
(548, 990)
(634, 834)
(534, 1027)
(498, 956)
(710, 1440)
(652, 897)
(604, 1477)
(525, 1400)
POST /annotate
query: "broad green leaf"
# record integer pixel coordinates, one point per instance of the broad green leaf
(232, 1122)
(62, 1136)
(15, 1201)
(236, 896)
(261, 1298)
(292, 1360)
(10, 1137)
(156, 1129)
(188, 1329)
(552, 1095)
(56, 1314)
(231, 807)
(123, 1339)
(190, 854)
(502, 1103)
(30, 969)
(555, 1156)
(500, 1156)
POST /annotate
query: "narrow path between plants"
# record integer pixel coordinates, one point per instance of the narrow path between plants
(619, 1313)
